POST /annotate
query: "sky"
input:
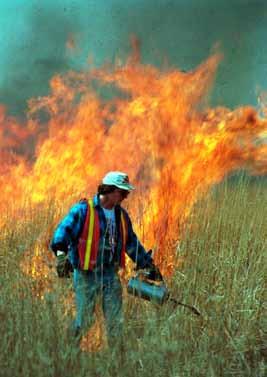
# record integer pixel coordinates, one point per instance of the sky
(33, 37)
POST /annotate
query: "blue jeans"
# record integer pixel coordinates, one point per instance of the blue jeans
(88, 285)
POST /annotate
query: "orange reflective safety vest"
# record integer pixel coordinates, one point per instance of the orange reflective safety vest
(88, 245)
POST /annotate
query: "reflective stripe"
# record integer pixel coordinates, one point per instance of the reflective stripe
(123, 232)
(90, 235)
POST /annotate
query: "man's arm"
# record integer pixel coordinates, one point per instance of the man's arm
(135, 249)
(138, 254)
(68, 230)
(66, 233)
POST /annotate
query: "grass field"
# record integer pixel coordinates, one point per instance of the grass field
(224, 272)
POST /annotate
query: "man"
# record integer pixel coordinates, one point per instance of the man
(93, 239)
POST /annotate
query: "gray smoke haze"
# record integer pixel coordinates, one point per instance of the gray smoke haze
(36, 57)
(183, 32)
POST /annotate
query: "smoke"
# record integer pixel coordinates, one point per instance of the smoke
(185, 32)
(36, 55)
(172, 33)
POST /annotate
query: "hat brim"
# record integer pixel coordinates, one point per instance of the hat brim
(125, 187)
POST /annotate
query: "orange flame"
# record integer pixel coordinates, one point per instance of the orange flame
(152, 124)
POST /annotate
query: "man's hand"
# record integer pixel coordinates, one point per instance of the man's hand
(63, 265)
(154, 273)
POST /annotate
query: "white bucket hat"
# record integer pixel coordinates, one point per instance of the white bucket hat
(118, 179)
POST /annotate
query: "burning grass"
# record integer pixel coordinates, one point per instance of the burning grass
(223, 247)
(155, 125)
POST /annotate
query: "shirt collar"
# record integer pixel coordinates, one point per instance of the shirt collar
(96, 200)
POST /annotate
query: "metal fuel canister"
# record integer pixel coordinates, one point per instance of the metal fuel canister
(147, 290)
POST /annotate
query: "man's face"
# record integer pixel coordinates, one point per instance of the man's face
(118, 195)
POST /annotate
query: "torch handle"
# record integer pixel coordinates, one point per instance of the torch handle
(176, 302)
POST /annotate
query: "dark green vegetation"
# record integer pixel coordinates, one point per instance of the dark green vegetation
(223, 274)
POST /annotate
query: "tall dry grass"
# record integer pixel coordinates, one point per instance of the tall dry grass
(223, 246)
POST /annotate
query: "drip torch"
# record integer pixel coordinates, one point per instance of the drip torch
(142, 286)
